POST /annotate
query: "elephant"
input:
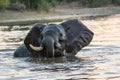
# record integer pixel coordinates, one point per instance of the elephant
(55, 40)
(46, 40)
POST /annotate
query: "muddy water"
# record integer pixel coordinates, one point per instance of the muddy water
(98, 61)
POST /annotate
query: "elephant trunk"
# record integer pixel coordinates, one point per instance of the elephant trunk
(48, 43)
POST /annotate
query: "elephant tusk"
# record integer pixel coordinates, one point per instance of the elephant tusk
(58, 45)
(36, 48)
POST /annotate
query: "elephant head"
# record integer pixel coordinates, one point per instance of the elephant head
(46, 40)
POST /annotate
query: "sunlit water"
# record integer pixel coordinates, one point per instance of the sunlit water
(98, 61)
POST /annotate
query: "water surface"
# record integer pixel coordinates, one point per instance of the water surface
(98, 61)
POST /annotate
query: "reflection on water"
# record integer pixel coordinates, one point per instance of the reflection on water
(98, 61)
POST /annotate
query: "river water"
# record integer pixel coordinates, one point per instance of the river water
(98, 61)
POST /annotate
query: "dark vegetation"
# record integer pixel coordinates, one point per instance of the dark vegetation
(44, 5)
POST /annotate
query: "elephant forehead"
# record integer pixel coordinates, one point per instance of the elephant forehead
(51, 28)
(51, 31)
(61, 30)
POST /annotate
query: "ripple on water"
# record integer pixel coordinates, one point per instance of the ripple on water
(95, 62)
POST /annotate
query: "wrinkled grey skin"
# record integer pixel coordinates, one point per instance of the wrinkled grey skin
(75, 37)
(78, 36)
(52, 35)
(47, 36)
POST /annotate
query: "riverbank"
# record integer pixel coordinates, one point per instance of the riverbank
(56, 15)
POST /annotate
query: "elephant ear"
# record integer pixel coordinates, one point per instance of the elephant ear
(34, 36)
(65, 25)
(78, 35)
